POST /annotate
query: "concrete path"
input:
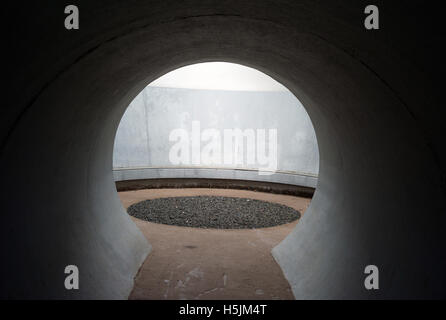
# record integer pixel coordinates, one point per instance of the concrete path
(191, 263)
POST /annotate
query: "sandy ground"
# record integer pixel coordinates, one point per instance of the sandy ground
(193, 263)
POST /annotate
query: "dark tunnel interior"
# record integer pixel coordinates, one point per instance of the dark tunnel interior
(374, 97)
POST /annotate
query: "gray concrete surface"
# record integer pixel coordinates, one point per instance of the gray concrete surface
(142, 139)
(373, 96)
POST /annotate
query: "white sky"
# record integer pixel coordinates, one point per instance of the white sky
(218, 76)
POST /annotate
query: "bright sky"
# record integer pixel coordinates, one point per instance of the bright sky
(218, 76)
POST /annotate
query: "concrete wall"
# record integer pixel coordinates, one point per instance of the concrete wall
(376, 100)
(142, 140)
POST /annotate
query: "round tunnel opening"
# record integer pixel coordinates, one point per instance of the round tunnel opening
(216, 120)
(208, 126)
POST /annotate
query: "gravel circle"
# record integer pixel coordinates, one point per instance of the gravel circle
(213, 212)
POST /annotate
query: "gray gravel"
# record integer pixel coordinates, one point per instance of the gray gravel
(213, 212)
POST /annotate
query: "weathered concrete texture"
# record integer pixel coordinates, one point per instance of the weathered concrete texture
(373, 97)
(142, 139)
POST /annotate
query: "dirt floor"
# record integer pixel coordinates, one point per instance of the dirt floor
(192, 263)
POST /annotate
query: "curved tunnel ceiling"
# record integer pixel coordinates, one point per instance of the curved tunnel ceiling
(371, 97)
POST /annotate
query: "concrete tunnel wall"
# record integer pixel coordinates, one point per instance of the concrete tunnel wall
(372, 96)
(142, 145)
